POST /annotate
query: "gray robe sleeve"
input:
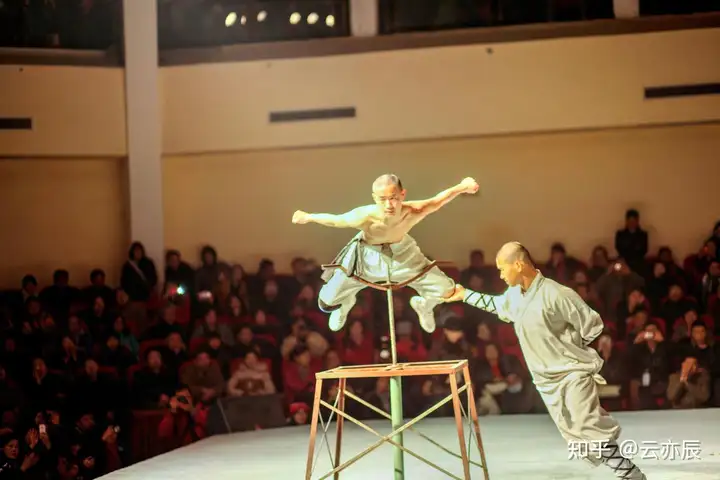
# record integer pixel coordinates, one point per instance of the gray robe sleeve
(496, 304)
(586, 321)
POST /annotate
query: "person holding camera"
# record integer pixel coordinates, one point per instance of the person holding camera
(94, 446)
(651, 361)
(184, 420)
(615, 285)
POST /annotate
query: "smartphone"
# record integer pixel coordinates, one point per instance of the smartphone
(180, 290)
(43, 429)
(649, 335)
(116, 429)
(617, 266)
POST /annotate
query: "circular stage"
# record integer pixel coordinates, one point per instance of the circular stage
(518, 447)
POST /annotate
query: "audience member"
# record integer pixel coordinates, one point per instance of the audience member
(175, 352)
(631, 242)
(139, 276)
(185, 420)
(210, 326)
(179, 272)
(155, 384)
(209, 274)
(219, 352)
(251, 378)
(98, 288)
(651, 365)
(357, 346)
(559, 266)
(301, 334)
(299, 376)
(627, 307)
(203, 378)
(166, 326)
(616, 284)
(675, 306)
(614, 371)
(113, 354)
(690, 387)
(127, 339)
(502, 384)
(477, 268)
(599, 263)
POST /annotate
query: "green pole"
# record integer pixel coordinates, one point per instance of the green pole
(396, 405)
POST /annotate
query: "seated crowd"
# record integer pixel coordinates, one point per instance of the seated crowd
(79, 366)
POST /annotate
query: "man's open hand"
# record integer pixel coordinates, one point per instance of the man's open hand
(469, 185)
(458, 295)
(300, 217)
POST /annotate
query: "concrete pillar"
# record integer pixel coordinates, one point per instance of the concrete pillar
(364, 18)
(144, 128)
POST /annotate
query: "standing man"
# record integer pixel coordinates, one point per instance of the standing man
(555, 328)
(631, 242)
(383, 248)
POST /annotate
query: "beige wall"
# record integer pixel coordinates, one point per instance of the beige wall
(71, 213)
(61, 213)
(535, 189)
(76, 111)
(558, 84)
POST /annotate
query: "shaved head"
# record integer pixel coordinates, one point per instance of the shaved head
(513, 252)
(389, 179)
(388, 193)
(515, 264)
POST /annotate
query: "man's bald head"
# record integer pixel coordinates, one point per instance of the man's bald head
(384, 181)
(513, 252)
(515, 263)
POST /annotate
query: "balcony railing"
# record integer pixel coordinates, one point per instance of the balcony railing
(97, 24)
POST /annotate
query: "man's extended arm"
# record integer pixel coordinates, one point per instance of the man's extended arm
(353, 219)
(495, 304)
(433, 204)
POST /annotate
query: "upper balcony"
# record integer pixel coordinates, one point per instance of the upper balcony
(205, 31)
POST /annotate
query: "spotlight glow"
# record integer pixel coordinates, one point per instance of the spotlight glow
(313, 18)
(230, 19)
(261, 16)
(330, 20)
(295, 18)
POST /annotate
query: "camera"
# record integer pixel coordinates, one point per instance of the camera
(385, 347)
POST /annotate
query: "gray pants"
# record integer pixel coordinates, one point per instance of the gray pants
(405, 262)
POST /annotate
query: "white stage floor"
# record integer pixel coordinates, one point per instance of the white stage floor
(526, 447)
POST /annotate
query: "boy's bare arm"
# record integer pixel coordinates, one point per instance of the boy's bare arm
(431, 205)
(356, 218)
